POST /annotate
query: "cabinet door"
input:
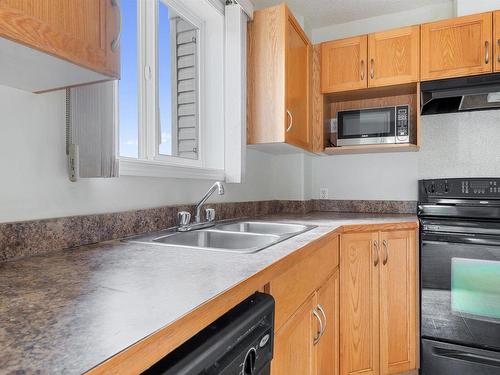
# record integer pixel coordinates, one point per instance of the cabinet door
(293, 343)
(359, 304)
(393, 57)
(328, 346)
(79, 31)
(298, 65)
(343, 64)
(398, 298)
(457, 47)
(496, 41)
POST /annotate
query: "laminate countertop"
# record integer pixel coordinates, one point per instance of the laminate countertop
(67, 312)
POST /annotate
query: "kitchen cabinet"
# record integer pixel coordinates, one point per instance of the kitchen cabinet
(496, 39)
(308, 342)
(359, 310)
(379, 59)
(307, 313)
(393, 57)
(398, 316)
(327, 360)
(293, 343)
(82, 33)
(378, 318)
(457, 47)
(343, 64)
(279, 75)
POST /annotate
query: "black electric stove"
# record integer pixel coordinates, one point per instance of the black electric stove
(460, 276)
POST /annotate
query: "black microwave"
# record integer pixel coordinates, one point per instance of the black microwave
(384, 125)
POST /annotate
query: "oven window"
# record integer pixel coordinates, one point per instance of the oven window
(475, 288)
(377, 122)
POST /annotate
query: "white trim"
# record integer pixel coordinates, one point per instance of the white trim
(150, 168)
(247, 7)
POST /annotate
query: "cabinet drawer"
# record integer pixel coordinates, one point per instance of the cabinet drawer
(291, 288)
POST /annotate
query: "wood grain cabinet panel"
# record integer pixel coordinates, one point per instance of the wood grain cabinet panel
(457, 47)
(359, 310)
(496, 39)
(398, 337)
(327, 360)
(298, 74)
(393, 57)
(293, 343)
(343, 64)
(278, 79)
(79, 31)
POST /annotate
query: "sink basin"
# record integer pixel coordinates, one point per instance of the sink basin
(242, 236)
(219, 240)
(263, 227)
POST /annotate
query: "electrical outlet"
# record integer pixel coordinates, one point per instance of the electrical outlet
(323, 193)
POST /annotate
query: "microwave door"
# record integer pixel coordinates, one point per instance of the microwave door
(366, 126)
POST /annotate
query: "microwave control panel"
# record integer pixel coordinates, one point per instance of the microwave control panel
(403, 124)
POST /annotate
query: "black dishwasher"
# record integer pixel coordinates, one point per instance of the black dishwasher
(238, 343)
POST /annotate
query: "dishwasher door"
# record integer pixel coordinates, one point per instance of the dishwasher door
(239, 342)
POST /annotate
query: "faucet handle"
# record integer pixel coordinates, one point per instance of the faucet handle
(183, 218)
(209, 214)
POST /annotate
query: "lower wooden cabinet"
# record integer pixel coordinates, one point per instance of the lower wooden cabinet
(308, 342)
(378, 313)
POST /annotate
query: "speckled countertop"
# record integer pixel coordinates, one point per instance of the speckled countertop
(66, 312)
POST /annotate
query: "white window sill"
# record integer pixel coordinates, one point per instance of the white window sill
(149, 168)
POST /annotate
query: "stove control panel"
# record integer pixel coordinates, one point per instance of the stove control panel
(460, 188)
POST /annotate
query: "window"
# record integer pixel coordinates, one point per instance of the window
(172, 95)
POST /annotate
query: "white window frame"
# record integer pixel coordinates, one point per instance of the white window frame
(150, 162)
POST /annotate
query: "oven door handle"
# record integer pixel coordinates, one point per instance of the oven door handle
(461, 238)
(464, 356)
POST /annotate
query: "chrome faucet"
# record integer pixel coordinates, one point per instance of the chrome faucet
(220, 190)
(184, 218)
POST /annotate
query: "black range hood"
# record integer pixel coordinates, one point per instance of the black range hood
(460, 94)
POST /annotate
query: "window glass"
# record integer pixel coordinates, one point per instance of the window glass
(128, 106)
(177, 84)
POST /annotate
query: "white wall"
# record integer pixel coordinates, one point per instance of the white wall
(465, 7)
(385, 22)
(34, 183)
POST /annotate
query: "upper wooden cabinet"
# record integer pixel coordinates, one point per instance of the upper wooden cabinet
(457, 47)
(394, 57)
(80, 32)
(298, 60)
(496, 39)
(343, 64)
(279, 74)
(379, 59)
(378, 313)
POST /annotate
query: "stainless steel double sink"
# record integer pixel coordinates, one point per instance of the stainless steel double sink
(237, 236)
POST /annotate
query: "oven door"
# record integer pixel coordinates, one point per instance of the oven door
(366, 126)
(460, 282)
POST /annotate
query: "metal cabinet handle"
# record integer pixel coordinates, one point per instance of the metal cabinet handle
(362, 70)
(372, 68)
(386, 252)
(320, 308)
(487, 52)
(290, 123)
(116, 42)
(375, 247)
(318, 336)
(498, 42)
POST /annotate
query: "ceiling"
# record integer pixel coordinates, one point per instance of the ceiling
(319, 13)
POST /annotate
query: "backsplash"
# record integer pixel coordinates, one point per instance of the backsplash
(21, 239)
(460, 145)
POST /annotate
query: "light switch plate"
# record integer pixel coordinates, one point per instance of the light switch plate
(323, 193)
